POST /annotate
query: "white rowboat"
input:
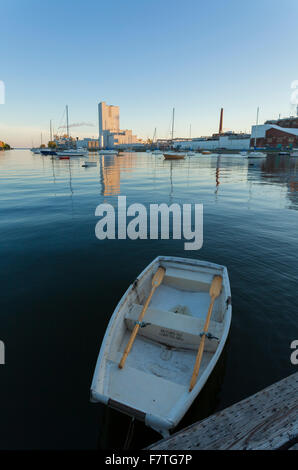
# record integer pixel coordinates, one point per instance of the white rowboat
(153, 385)
(256, 155)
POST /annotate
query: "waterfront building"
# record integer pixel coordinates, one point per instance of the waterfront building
(88, 143)
(110, 134)
(228, 141)
(274, 136)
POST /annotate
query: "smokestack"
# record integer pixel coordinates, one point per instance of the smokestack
(221, 121)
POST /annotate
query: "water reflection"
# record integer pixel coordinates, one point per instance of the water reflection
(111, 167)
(282, 170)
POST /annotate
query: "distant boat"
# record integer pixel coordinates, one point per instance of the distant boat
(190, 153)
(48, 151)
(36, 150)
(106, 152)
(174, 156)
(256, 155)
(89, 163)
(79, 152)
(283, 153)
(294, 153)
(244, 154)
(157, 384)
(157, 152)
(206, 152)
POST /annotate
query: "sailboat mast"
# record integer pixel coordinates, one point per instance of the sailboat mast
(257, 121)
(51, 137)
(154, 135)
(173, 123)
(67, 123)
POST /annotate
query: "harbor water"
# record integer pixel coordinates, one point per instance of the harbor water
(60, 284)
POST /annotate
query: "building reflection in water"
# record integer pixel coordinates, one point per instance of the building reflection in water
(283, 170)
(111, 167)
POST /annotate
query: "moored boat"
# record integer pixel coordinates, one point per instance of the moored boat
(89, 163)
(157, 380)
(79, 152)
(35, 150)
(174, 156)
(48, 151)
(294, 153)
(256, 155)
(205, 152)
(107, 152)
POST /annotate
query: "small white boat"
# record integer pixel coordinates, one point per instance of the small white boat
(244, 154)
(89, 163)
(190, 153)
(35, 150)
(256, 155)
(154, 383)
(157, 152)
(294, 153)
(107, 152)
(79, 152)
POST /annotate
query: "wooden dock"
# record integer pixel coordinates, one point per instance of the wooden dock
(267, 420)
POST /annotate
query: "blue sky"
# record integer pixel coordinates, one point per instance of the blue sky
(146, 56)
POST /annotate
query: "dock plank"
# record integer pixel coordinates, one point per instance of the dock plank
(266, 420)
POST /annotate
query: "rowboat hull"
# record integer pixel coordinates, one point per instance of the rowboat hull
(173, 156)
(153, 386)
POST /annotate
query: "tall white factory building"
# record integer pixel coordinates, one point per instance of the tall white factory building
(110, 134)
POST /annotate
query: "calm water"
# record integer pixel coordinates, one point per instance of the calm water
(60, 284)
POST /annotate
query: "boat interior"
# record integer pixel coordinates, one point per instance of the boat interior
(163, 355)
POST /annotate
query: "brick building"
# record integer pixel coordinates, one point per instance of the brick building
(273, 136)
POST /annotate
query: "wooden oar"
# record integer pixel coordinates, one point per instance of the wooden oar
(214, 292)
(156, 281)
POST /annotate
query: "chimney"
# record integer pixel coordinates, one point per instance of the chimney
(221, 121)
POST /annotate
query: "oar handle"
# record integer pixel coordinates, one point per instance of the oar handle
(201, 348)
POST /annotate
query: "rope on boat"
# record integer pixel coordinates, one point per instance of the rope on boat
(208, 335)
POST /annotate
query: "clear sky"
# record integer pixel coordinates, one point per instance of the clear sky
(147, 56)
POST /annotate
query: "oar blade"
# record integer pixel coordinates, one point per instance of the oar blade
(216, 285)
(158, 277)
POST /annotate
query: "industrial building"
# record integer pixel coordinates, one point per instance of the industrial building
(272, 136)
(110, 134)
(228, 141)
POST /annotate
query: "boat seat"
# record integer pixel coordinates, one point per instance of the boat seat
(173, 329)
(130, 386)
(188, 280)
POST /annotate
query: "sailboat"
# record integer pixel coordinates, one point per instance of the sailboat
(255, 154)
(77, 152)
(171, 155)
(48, 150)
(36, 150)
(190, 153)
(156, 151)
